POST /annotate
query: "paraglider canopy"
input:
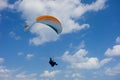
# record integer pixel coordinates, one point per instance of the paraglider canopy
(48, 20)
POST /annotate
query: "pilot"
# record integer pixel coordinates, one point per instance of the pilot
(52, 62)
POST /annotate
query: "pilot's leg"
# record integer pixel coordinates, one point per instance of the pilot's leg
(55, 63)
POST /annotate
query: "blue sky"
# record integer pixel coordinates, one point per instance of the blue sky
(88, 47)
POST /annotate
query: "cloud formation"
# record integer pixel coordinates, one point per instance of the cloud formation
(76, 76)
(67, 11)
(3, 4)
(6, 74)
(115, 51)
(14, 36)
(17, 74)
(113, 71)
(79, 60)
(20, 53)
(24, 76)
(1, 60)
(118, 40)
(47, 74)
(29, 56)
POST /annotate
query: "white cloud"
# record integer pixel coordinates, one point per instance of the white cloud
(29, 56)
(24, 76)
(6, 74)
(1, 60)
(80, 61)
(105, 61)
(20, 53)
(14, 36)
(118, 40)
(81, 45)
(115, 51)
(47, 74)
(3, 4)
(113, 71)
(76, 75)
(17, 74)
(67, 11)
(73, 74)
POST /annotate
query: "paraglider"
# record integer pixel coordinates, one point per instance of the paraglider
(51, 22)
(52, 62)
(48, 20)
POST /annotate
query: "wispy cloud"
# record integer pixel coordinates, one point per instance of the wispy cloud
(14, 36)
(48, 74)
(76, 76)
(29, 56)
(81, 45)
(113, 71)
(6, 74)
(25, 76)
(2, 60)
(118, 40)
(20, 53)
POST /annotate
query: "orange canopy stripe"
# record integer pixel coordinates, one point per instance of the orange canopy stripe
(47, 17)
